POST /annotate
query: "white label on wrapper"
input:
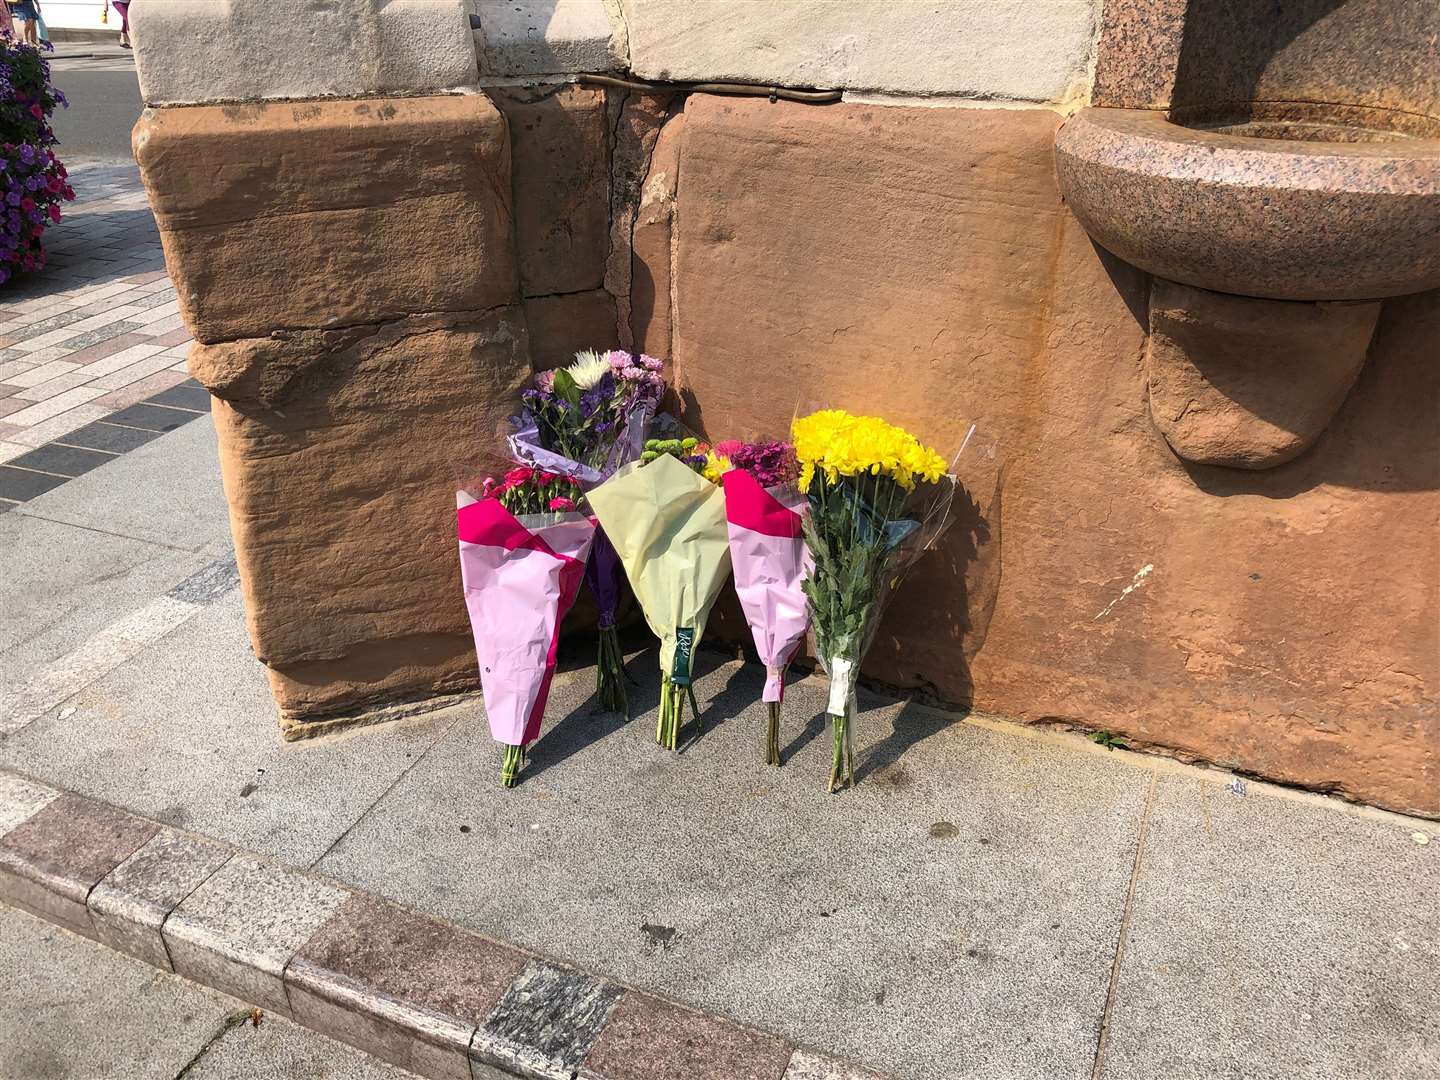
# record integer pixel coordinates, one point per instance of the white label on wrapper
(842, 676)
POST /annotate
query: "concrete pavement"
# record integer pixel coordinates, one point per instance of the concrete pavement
(99, 80)
(990, 901)
(72, 1009)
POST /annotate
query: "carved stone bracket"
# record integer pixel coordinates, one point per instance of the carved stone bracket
(1249, 383)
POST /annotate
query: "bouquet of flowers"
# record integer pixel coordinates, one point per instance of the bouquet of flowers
(666, 518)
(878, 498)
(523, 545)
(763, 513)
(586, 420)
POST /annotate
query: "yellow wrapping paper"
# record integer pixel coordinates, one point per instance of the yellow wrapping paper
(668, 525)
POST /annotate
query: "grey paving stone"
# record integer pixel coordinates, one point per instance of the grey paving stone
(196, 399)
(151, 417)
(168, 492)
(73, 1010)
(60, 585)
(546, 1022)
(49, 863)
(808, 1065)
(112, 437)
(54, 322)
(238, 930)
(62, 460)
(185, 733)
(99, 334)
(208, 584)
(21, 799)
(746, 890)
(131, 904)
(1275, 938)
(279, 1050)
(155, 299)
(403, 986)
(22, 484)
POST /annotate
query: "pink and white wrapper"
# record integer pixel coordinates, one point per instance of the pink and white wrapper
(521, 576)
(771, 560)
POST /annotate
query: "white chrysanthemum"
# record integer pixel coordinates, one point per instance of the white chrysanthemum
(588, 369)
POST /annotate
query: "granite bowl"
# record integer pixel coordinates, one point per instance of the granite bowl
(1303, 212)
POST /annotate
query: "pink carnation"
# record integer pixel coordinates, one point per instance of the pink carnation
(545, 382)
(649, 363)
(619, 359)
(561, 503)
(519, 475)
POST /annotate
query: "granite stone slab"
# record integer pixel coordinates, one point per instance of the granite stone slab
(651, 1039)
(546, 1022)
(151, 417)
(49, 864)
(405, 987)
(112, 437)
(238, 930)
(21, 799)
(808, 1065)
(131, 905)
(1277, 938)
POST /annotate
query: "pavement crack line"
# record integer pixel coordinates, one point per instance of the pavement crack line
(380, 798)
(1124, 927)
(107, 532)
(229, 1024)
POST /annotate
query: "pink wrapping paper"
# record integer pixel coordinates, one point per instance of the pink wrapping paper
(521, 575)
(770, 561)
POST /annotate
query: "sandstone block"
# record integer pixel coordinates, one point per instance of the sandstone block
(330, 213)
(195, 51)
(1027, 50)
(1284, 621)
(1249, 383)
(560, 159)
(339, 451)
(560, 326)
(549, 37)
(650, 244)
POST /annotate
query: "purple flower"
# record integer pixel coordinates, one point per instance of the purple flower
(27, 153)
(13, 196)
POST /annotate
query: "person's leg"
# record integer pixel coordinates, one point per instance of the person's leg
(32, 30)
(124, 10)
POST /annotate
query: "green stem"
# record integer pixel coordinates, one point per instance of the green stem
(837, 749)
(510, 765)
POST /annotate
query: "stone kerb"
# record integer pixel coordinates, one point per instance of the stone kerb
(194, 51)
(428, 996)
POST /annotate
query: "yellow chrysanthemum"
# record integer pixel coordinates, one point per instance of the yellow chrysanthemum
(840, 444)
(716, 466)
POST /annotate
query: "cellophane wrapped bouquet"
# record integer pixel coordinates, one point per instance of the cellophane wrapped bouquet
(878, 498)
(666, 516)
(587, 420)
(764, 512)
(523, 545)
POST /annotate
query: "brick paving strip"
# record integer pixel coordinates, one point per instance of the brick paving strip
(96, 332)
(416, 991)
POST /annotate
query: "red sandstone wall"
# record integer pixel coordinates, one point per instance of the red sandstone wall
(918, 263)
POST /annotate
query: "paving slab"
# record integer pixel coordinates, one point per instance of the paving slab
(112, 437)
(239, 929)
(60, 584)
(50, 862)
(1275, 938)
(74, 1010)
(547, 1022)
(185, 732)
(403, 986)
(166, 491)
(129, 907)
(650, 1039)
(21, 799)
(280, 1050)
(62, 460)
(970, 873)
